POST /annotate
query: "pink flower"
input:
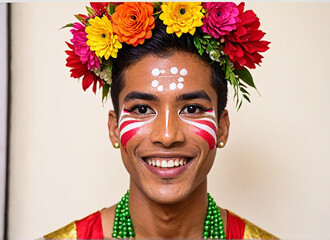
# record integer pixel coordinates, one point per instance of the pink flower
(81, 49)
(78, 70)
(220, 19)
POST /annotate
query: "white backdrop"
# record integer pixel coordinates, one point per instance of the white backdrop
(3, 111)
(273, 171)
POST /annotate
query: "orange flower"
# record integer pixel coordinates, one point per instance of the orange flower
(133, 21)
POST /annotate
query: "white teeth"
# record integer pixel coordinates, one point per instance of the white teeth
(176, 163)
(170, 163)
(164, 164)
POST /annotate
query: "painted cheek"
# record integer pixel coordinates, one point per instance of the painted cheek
(127, 130)
(129, 127)
(205, 128)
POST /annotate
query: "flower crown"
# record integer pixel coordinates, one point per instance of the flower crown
(227, 33)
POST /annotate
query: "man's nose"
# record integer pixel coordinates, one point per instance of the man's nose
(167, 129)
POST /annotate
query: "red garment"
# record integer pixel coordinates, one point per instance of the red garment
(90, 227)
(235, 227)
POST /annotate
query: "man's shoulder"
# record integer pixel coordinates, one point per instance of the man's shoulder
(89, 227)
(250, 230)
(67, 232)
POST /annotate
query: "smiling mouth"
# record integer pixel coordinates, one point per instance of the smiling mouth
(171, 162)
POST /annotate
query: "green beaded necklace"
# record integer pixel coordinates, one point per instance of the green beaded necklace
(123, 226)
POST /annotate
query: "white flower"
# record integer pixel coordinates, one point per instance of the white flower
(105, 74)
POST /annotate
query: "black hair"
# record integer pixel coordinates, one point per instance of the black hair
(162, 44)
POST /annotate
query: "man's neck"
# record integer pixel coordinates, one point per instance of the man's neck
(180, 220)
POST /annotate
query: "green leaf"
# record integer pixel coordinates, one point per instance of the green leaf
(105, 91)
(242, 85)
(203, 41)
(239, 106)
(198, 45)
(230, 76)
(112, 8)
(207, 36)
(156, 16)
(90, 11)
(68, 25)
(157, 5)
(244, 91)
(245, 75)
(80, 18)
(246, 97)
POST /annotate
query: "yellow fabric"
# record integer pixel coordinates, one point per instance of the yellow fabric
(67, 232)
(252, 231)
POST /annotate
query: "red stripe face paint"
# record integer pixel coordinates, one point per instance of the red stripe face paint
(129, 126)
(205, 127)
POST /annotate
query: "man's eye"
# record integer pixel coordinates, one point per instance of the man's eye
(141, 109)
(191, 109)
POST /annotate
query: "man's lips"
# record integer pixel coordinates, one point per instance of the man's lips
(167, 166)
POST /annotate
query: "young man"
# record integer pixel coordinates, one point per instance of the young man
(169, 118)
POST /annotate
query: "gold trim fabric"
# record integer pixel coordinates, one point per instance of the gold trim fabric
(67, 232)
(252, 231)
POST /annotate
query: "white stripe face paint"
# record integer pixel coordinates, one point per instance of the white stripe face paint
(205, 127)
(167, 112)
(129, 126)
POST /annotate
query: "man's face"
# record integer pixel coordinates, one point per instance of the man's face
(167, 125)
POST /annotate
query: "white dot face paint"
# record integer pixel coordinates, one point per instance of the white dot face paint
(172, 86)
(180, 85)
(154, 83)
(183, 72)
(174, 70)
(155, 72)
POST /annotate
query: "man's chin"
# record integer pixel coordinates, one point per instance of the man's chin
(168, 193)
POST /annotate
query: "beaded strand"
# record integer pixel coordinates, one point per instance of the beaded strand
(123, 226)
(213, 225)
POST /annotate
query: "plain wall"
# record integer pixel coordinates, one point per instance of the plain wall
(273, 170)
(3, 111)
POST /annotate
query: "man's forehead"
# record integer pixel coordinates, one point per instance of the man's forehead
(173, 74)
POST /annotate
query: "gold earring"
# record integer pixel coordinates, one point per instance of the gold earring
(116, 145)
(221, 145)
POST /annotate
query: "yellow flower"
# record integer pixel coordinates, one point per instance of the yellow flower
(182, 17)
(101, 38)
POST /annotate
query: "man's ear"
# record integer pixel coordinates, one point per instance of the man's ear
(113, 127)
(223, 127)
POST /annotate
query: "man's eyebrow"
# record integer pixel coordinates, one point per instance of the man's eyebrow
(140, 95)
(194, 95)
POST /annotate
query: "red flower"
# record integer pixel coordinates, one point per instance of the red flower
(244, 44)
(99, 7)
(78, 69)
